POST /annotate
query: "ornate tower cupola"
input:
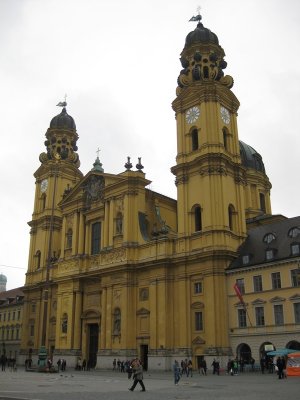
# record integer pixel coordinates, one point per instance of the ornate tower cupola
(202, 58)
(61, 139)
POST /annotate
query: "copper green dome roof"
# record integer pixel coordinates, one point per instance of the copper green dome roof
(63, 121)
(3, 278)
(251, 158)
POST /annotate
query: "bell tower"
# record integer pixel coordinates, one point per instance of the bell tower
(209, 174)
(57, 174)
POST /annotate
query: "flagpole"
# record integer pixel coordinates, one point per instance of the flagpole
(245, 308)
(239, 295)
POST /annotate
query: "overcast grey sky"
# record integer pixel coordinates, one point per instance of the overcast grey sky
(118, 62)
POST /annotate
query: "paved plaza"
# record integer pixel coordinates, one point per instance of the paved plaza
(109, 385)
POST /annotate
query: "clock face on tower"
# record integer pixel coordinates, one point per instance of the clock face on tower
(192, 115)
(225, 115)
(44, 185)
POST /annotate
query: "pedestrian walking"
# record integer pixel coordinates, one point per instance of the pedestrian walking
(138, 377)
(176, 371)
(189, 369)
(203, 367)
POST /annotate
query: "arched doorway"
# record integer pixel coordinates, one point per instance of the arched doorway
(293, 345)
(91, 334)
(144, 356)
(244, 353)
(266, 362)
(93, 338)
(265, 347)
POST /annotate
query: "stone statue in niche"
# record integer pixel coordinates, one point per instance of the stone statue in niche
(117, 322)
(64, 325)
(119, 224)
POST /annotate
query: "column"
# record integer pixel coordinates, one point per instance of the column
(103, 319)
(81, 233)
(75, 235)
(31, 259)
(153, 314)
(106, 225)
(63, 238)
(108, 316)
(77, 320)
(58, 322)
(87, 239)
(111, 224)
(161, 312)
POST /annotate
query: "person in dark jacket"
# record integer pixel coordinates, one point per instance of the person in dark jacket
(138, 377)
(280, 366)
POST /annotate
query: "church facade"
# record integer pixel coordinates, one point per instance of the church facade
(117, 270)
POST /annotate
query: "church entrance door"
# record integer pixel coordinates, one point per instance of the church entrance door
(144, 356)
(93, 344)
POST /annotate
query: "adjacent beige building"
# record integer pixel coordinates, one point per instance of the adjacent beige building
(11, 310)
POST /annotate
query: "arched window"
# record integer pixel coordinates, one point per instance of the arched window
(262, 202)
(294, 232)
(195, 141)
(38, 259)
(69, 237)
(231, 213)
(117, 322)
(119, 223)
(205, 73)
(197, 218)
(269, 238)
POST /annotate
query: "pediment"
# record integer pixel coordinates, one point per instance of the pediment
(277, 299)
(258, 301)
(90, 314)
(295, 297)
(90, 188)
(198, 340)
(240, 304)
(142, 311)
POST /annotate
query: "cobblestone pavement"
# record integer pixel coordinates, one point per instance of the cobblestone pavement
(108, 385)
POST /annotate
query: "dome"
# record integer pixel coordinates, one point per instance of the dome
(251, 158)
(63, 121)
(3, 279)
(201, 35)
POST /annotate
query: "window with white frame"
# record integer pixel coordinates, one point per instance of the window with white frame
(257, 283)
(276, 280)
(198, 321)
(241, 285)
(260, 316)
(197, 287)
(242, 318)
(278, 314)
(297, 312)
(295, 277)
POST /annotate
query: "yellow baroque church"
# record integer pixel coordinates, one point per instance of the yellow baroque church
(117, 270)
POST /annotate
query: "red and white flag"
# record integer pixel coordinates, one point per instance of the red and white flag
(238, 293)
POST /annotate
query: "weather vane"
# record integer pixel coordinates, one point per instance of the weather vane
(62, 103)
(198, 16)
